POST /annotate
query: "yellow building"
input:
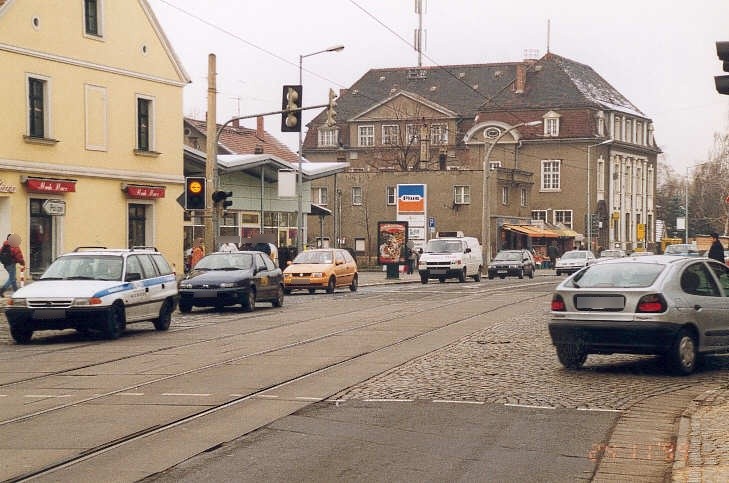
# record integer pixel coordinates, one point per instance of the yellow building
(91, 151)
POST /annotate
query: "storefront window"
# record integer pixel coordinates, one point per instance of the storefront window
(41, 239)
(137, 225)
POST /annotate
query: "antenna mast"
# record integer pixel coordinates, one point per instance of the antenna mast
(418, 40)
(549, 32)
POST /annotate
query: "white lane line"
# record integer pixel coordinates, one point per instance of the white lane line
(527, 406)
(3, 395)
(450, 401)
(39, 396)
(601, 410)
(303, 398)
(388, 400)
(237, 395)
(266, 396)
(131, 394)
(185, 394)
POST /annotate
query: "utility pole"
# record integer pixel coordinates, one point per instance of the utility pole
(211, 159)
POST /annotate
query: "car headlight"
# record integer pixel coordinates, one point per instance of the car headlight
(317, 275)
(85, 302)
(227, 285)
(185, 285)
(287, 275)
(17, 302)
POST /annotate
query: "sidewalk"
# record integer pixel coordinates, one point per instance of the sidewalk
(702, 445)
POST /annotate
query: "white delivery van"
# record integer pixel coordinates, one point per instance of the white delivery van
(451, 257)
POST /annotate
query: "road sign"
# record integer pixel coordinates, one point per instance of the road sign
(640, 229)
(54, 207)
(431, 223)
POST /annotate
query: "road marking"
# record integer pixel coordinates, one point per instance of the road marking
(451, 401)
(266, 396)
(131, 394)
(46, 395)
(303, 398)
(3, 395)
(389, 400)
(601, 410)
(527, 406)
(185, 394)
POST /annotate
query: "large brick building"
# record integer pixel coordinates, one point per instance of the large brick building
(433, 125)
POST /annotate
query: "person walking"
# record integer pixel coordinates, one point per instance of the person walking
(412, 260)
(10, 256)
(198, 251)
(716, 251)
(552, 253)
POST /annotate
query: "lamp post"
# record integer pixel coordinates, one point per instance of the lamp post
(589, 192)
(300, 177)
(486, 211)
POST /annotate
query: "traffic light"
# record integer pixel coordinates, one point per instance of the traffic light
(223, 196)
(722, 81)
(195, 193)
(331, 113)
(291, 105)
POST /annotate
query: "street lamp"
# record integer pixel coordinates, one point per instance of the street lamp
(486, 211)
(300, 178)
(589, 194)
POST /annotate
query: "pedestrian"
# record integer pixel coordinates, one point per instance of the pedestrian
(716, 251)
(10, 256)
(412, 261)
(552, 254)
(198, 251)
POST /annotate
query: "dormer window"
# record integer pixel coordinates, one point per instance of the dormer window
(600, 123)
(551, 124)
(92, 18)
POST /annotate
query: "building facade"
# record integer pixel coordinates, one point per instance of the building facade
(562, 141)
(91, 151)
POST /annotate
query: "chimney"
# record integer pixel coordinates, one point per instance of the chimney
(236, 124)
(260, 132)
(258, 149)
(342, 92)
(520, 81)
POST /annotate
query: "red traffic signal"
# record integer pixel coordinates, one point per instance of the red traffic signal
(195, 193)
(722, 81)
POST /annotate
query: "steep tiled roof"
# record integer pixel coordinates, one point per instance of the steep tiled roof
(243, 140)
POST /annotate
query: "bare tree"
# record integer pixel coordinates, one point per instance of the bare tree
(709, 189)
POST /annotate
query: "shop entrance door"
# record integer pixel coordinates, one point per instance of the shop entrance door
(42, 238)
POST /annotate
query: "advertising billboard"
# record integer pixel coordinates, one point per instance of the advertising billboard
(392, 237)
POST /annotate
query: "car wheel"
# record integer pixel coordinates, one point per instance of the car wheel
(531, 272)
(502, 277)
(441, 279)
(185, 307)
(355, 283)
(521, 273)
(423, 279)
(287, 291)
(21, 335)
(165, 316)
(559, 273)
(312, 290)
(491, 277)
(462, 276)
(115, 324)
(571, 356)
(331, 285)
(279, 300)
(477, 277)
(683, 356)
(249, 300)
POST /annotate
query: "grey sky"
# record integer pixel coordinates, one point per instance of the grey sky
(658, 53)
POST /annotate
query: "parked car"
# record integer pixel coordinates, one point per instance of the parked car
(451, 257)
(222, 279)
(573, 261)
(95, 289)
(515, 263)
(677, 307)
(641, 254)
(612, 253)
(323, 268)
(683, 249)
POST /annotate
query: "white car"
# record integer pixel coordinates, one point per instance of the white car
(96, 289)
(574, 260)
(451, 257)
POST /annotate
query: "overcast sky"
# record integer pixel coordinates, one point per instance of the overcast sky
(659, 53)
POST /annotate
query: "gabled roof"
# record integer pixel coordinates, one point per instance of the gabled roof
(414, 97)
(166, 44)
(242, 140)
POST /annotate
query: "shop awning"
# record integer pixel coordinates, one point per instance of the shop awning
(566, 232)
(532, 231)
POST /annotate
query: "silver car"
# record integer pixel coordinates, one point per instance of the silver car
(670, 305)
(573, 261)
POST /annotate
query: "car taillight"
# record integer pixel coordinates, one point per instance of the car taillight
(558, 303)
(653, 303)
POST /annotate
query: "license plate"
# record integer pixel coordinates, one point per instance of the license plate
(50, 314)
(438, 271)
(502, 271)
(205, 294)
(606, 303)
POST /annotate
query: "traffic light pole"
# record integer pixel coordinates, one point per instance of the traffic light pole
(211, 161)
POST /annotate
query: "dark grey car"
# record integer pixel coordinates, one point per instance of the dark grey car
(512, 263)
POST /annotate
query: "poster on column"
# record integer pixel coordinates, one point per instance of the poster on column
(412, 207)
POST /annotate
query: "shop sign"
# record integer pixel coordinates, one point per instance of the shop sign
(145, 192)
(6, 188)
(51, 185)
(54, 207)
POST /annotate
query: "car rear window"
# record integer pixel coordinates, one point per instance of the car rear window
(617, 275)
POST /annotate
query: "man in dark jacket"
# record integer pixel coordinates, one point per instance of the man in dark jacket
(717, 250)
(11, 255)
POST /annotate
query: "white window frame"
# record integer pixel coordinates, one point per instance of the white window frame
(504, 195)
(558, 216)
(523, 197)
(600, 123)
(439, 134)
(539, 215)
(462, 194)
(390, 194)
(328, 137)
(357, 196)
(99, 19)
(369, 137)
(47, 114)
(316, 195)
(152, 122)
(618, 128)
(412, 134)
(600, 179)
(494, 165)
(551, 124)
(628, 130)
(150, 234)
(639, 137)
(390, 135)
(548, 171)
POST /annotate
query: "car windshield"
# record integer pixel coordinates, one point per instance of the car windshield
(617, 275)
(508, 256)
(316, 258)
(611, 254)
(226, 261)
(444, 246)
(85, 267)
(574, 255)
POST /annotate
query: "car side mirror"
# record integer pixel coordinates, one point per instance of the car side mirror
(133, 277)
(289, 262)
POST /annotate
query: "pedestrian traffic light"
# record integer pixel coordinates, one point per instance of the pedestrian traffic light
(722, 81)
(291, 105)
(331, 113)
(195, 193)
(222, 196)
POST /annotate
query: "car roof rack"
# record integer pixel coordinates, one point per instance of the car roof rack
(88, 248)
(146, 248)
